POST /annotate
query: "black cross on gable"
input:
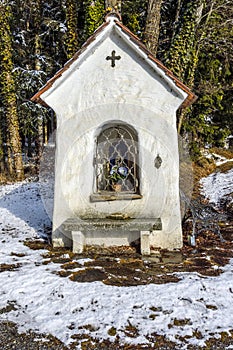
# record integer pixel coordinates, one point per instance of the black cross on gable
(113, 58)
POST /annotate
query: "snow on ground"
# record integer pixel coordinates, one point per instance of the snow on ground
(217, 158)
(45, 302)
(218, 186)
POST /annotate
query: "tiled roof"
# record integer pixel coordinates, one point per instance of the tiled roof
(188, 101)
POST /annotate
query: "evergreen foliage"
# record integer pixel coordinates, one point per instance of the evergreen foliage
(209, 122)
(38, 36)
(182, 53)
(134, 15)
(72, 26)
(94, 16)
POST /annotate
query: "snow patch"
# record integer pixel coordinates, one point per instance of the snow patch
(45, 302)
(218, 186)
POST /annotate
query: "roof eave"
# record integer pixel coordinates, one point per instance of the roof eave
(36, 98)
(191, 98)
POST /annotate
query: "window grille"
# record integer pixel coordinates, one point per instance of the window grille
(116, 160)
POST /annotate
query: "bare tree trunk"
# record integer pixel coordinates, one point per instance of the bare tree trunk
(114, 5)
(39, 138)
(46, 132)
(178, 8)
(9, 96)
(194, 56)
(37, 24)
(10, 167)
(180, 120)
(2, 165)
(151, 34)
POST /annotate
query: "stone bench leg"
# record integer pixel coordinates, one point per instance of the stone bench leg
(145, 242)
(78, 239)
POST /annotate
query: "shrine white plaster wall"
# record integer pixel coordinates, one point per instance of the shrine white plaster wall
(92, 93)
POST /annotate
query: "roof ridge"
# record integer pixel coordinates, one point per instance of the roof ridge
(116, 19)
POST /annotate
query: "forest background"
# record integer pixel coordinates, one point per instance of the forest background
(193, 38)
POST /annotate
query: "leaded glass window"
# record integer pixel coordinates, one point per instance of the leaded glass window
(116, 160)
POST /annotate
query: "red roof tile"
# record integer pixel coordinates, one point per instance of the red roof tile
(188, 101)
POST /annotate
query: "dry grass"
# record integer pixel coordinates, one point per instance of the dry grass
(225, 167)
(4, 179)
(222, 152)
(201, 169)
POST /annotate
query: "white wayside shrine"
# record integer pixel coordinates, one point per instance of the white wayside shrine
(117, 162)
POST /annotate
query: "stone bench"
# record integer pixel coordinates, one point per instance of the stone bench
(78, 227)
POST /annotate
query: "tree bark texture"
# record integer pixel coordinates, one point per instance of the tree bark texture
(113, 5)
(8, 93)
(151, 34)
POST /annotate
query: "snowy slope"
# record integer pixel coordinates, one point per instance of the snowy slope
(45, 302)
(218, 187)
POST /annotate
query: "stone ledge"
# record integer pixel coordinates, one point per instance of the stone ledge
(92, 224)
(113, 196)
